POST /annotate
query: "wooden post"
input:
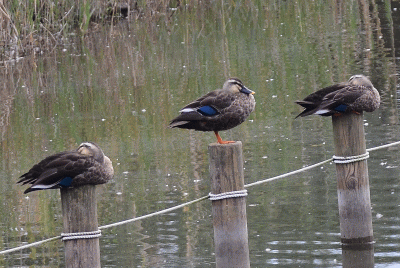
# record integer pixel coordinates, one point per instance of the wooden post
(79, 209)
(229, 215)
(352, 181)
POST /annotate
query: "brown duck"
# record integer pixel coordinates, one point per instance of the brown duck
(218, 110)
(85, 165)
(356, 95)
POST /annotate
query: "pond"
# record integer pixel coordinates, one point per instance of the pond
(120, 85)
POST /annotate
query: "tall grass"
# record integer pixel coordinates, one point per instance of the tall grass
(31, 27)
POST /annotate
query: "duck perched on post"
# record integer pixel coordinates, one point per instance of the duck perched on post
(218, 110)
(356, 95)
(85, 165)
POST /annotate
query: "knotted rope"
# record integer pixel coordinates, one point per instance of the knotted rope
(196, 200)
(229, 194)
(350, 159)
(81, 235)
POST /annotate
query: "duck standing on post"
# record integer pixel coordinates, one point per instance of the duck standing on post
(85, 165)
(218, 110)
(356, 95)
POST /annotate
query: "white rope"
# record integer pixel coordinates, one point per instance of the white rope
(192, 202)
(81, 235)
(30, 245)
(153, 214)
(107, 226)
(384, 146)
(225, 195)
(287, 174)
(350, 159)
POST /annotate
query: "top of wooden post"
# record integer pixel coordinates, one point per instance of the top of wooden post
(225, 145)
(226, 167)
(348, 134)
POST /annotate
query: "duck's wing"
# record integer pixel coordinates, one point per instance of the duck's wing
(209, 105)
(39, 168)
(52, 171)
(316, 97)
(340, 100)
(312, 102)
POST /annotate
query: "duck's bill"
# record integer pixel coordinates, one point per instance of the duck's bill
(247, 90)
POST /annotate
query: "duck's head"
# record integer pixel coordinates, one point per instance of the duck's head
(360, 80)
(234, 85)
(91, 149)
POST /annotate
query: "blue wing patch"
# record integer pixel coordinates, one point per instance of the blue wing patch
(66, 182)
(207, 111)
(341, 108)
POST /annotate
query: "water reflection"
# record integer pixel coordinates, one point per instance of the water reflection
(120, 86)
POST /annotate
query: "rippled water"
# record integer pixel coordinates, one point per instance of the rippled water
(120, 88)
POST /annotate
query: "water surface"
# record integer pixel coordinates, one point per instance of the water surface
(120, 86)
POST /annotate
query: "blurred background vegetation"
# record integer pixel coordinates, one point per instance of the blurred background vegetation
(28, 25)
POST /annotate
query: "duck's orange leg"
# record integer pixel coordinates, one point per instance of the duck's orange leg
(220, 139)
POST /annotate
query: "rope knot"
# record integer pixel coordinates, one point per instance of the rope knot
(350, 159)
(229, 194)
(81, 235)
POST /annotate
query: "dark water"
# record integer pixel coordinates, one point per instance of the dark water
(121, 86)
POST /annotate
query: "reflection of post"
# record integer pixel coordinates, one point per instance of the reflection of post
(79, 210)
(361, 256)
(229, 214)
(352, 181)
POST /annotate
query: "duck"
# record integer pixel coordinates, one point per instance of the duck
(218, 110)
(85, 165)
(354, 96)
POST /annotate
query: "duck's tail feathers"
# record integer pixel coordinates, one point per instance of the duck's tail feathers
(174, 124)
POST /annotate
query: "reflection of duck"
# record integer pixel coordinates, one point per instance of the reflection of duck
(356, 95)
(85, 165)
(218, 110)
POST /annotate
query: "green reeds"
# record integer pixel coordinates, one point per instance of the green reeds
(35, 26)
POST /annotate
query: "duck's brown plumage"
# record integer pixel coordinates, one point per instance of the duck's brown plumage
(356, 95)
(85, 165)
(218, 110)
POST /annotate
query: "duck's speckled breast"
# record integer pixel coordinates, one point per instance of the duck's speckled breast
(368, 102)
(96, 174)
(237, 112)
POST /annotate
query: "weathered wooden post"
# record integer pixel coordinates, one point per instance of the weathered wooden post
(352, 181)
(229, 214)
(79, 209)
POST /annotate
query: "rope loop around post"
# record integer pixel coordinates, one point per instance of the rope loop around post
(350, 159)
(81, 235)
(225, 195)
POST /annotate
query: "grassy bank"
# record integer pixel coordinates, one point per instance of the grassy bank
(32, 27)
